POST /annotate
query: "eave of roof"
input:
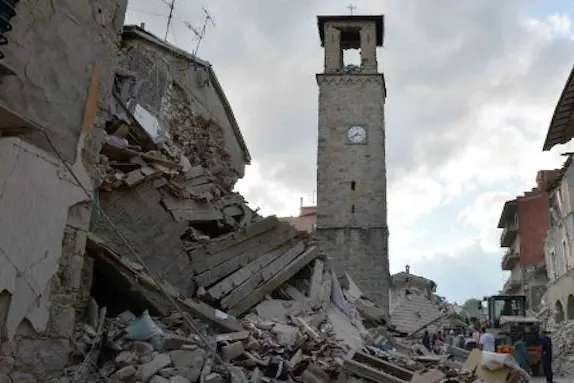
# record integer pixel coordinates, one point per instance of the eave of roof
(508, 211)
(561, 129)
(134, 31)
(377, 19)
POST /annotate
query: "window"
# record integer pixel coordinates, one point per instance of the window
(554, 264)
(353, 184)
(353, 209)
(566, 253)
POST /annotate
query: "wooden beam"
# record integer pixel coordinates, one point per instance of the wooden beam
(277, 280)
(198, 254)
(243, 257)
(233, 281)
(367, 372)
(209, 262)
(91, 107)
(245, 289)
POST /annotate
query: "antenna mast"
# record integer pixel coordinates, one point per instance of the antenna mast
(200, 34)
(171, 6)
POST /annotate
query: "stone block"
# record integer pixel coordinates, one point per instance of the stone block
(62, 321)
(45, 355)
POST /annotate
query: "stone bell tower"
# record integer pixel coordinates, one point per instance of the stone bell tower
(351, 170)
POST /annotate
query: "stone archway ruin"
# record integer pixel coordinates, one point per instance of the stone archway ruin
(559, 312)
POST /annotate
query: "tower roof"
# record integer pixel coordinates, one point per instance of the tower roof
(377, 19)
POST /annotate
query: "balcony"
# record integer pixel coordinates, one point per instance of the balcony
(509, 259)
(508, 235)
(512, 284)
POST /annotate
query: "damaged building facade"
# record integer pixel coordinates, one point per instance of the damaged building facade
(174, 100)
(559, 245)
(57, 75)
(524, 222)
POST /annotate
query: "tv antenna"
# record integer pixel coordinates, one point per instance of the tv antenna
(351, 8)
(171, 6)
(199, 34)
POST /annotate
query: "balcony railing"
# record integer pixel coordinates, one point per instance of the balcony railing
(512, 284)
(508, 235)
(509, 259)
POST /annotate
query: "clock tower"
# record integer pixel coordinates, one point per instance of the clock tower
(351, 170)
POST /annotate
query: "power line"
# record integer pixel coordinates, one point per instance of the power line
(147, 13)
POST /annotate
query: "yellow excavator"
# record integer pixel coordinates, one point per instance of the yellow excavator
(506, 320)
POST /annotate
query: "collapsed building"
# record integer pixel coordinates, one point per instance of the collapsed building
(128, 257)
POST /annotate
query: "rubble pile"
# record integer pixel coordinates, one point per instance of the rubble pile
(200, 139)
(563, 348)
(259, 302)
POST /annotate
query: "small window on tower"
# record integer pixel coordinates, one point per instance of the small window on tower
(353, 184)
(353, 209)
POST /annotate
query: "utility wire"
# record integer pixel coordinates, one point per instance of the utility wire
(133, 252)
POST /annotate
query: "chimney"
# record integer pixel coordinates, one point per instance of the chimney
(142, 26)
(301, 202)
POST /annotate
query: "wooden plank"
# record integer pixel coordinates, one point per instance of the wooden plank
(225, 286)
(117, 153)
(243, 258)
(142, 285)
(233, 211)
(210, 261)
(283, 276)
(91, 106)
(257, 278)
(383, 365)
(172, 203)
(316, 279)
(232, 336)
(196, 216)
(203, 311)
(236, 238)
(370, 373)
(194, 172)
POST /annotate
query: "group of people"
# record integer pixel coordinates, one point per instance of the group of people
(485, 341)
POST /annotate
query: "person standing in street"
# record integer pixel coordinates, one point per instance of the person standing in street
(546, 344)
(426, 340)
(487, 341)
(521, 354)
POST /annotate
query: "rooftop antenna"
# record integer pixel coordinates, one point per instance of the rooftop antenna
(171, 6)
(200, 33)
(351, 7)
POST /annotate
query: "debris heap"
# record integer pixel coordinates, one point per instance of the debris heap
(251, 298)
(563, 348)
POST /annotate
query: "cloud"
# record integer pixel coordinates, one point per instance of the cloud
(471, 89)
(468, 274)
(483, 216)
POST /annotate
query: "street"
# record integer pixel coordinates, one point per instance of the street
(564, 379)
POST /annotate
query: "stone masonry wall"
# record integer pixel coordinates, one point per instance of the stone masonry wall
(34, 356)
(351, 180)
(53, 49)
(171, 87)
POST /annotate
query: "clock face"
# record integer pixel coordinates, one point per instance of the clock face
(357, 134)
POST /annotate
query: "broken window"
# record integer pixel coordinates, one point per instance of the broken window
(150, 123)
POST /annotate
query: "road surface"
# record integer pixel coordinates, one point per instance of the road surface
(562, 379)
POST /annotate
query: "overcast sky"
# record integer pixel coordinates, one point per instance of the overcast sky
(471, 90)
